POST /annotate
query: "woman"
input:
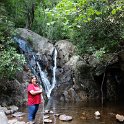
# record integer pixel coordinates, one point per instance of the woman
(34, 99)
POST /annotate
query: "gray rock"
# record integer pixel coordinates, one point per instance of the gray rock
(16, 121)
(46, 116)
(3, 118)
(65, 118)
(120, 118)
(13, 121)
(18, 114)
(8, 112)
(65, 51)
(47, 121)
(39, 43)
(14, 108)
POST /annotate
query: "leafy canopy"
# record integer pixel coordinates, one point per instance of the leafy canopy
(94, 26)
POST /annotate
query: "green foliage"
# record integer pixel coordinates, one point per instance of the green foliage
(49, 3)
(90, 24)
(99, 53)
(10, 63)
(21, 11)
(10, 60)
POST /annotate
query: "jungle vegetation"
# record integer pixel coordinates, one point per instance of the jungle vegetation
(94, 26)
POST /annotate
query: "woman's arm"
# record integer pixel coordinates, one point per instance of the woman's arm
(35, 92)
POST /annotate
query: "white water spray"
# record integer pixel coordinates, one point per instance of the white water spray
(46, 82)
(54, 73)
(49, 87)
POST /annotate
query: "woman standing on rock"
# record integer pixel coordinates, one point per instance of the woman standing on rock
(34, 99)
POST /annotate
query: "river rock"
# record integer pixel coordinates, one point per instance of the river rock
(97, 117)
(51, 112)
(13, 121)
(3, 108)
(20, 122)
(47, 121)
(97, 113)
(8, 112)
(46, 116)
(120, 118)
(14, 108)
(46, 111)
(19, 118)
(18, 114)
(65, 117)
(3, 118)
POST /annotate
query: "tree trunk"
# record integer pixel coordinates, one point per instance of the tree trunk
(30, 16)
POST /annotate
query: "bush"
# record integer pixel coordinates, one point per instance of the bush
(10, 60)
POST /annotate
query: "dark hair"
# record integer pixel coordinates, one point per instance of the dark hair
(32, 78)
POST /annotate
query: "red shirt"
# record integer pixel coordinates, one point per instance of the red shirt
(33, 99)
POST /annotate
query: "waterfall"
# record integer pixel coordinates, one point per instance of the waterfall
(24, 47)
(36, 67)
(49, 87)
(54, 72)
(45, 81)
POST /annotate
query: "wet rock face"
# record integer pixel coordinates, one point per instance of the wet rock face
(75, 82)
(40, 44)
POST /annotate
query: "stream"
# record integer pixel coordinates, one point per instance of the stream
(81, 112)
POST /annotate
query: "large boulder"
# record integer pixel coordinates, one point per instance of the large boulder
(39, 43)
(75, 81)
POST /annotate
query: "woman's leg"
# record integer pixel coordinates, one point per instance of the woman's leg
(35, 111)
(31, 111)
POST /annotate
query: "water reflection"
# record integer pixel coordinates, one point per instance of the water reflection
(82, 112)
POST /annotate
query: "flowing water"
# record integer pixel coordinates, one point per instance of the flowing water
(82, 112)
(34, 62)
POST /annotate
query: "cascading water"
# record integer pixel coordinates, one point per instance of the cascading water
(54, 73)
(35, 65)
(45, 81)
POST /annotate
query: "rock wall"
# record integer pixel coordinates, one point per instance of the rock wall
(12, 92)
